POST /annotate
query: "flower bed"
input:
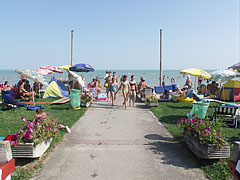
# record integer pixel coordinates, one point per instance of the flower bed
(204, 138)
(152, 101)
(34, 138)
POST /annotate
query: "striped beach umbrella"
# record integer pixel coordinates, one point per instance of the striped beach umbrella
(32, 75)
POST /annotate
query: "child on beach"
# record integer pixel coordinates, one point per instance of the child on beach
(133, 89)
(125, 88)
(113, 90)
(42, 115)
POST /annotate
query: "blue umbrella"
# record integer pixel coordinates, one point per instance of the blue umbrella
(82, 68)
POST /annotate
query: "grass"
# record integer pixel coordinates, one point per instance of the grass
(10, 121)
(169, 112)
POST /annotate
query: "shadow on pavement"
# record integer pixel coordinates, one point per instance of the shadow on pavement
(172, 153)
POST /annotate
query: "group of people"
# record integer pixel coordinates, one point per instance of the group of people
(202, 89)
(129, 88)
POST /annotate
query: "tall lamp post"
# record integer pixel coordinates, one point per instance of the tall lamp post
(160, 78)
(72, 47)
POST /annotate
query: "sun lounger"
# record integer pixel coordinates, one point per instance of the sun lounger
(226, 111)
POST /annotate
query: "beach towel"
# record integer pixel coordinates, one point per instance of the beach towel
(35, 107)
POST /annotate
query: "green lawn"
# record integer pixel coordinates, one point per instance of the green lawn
(169, 112)
(10, 121)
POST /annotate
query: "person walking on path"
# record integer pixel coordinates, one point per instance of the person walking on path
(113, 90)
(108, 82)
(133, 89)
(125, 88)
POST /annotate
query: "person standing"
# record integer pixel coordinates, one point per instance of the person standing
(108, 82)
(113, 88)
(125, 88)
(188, 81)
(133, 89)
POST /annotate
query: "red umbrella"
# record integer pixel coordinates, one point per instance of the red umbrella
(52, 68)
(43, 72)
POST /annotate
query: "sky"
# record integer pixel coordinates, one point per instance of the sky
(120, 34)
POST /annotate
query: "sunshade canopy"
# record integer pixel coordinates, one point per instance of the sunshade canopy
(82, 68)
(196, 72)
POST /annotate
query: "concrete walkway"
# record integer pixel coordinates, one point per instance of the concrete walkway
(110, 143)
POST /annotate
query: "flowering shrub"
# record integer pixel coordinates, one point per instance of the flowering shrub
(85, 97)
(207, 132)
(35, 132)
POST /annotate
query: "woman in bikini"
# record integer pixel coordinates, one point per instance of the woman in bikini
(125, 87)
(113, 89)
(132, 92)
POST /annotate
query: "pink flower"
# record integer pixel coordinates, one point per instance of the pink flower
(44, 127)
(214, 133)
(48, 113)
(30, 137)
(49, 129)
(15, 143)
(204, 130)
(31, 124)
(193, 115)
(198, 127)
(209, 132)
(35, 136)
(23, 119)
(51, 123)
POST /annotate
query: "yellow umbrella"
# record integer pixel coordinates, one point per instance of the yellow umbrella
(65, 67)
(196, 72)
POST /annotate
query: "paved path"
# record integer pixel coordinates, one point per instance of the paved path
(110, 143)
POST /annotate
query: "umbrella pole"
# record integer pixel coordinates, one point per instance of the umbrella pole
(39, 90)
(33, 97)
(195, 85)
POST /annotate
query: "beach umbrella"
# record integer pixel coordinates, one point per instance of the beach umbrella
(82, 68)
(76, 77)
(197, 73)
(235, 66)
(223, 75)
(52, 68)
(66, 67)
(43, 72)
(32, 75)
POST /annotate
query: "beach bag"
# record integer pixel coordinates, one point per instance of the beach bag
(75, 98)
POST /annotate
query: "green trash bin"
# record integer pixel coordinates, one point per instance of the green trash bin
(75, 98)
(199, 109)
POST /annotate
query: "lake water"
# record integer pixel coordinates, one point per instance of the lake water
(151, 76)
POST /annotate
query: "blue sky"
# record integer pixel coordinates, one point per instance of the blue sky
(120, 34)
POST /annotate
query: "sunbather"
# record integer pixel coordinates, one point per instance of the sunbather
(165, 95)
(24, 94)
(42, 115)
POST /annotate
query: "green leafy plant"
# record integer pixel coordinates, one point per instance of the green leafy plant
(207, 132)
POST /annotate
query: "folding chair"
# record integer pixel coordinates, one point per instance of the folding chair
(226, 111)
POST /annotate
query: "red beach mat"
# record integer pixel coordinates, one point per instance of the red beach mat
(31, 103)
